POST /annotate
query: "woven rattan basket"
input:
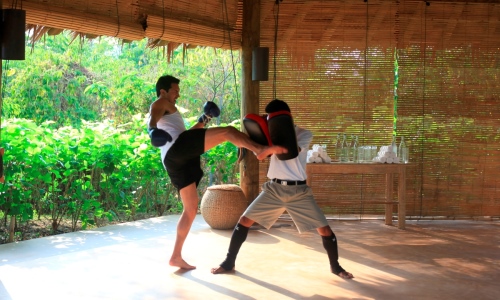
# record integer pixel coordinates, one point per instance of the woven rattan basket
(222, 205)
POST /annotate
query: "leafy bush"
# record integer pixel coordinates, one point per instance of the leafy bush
(74, 132)
(100, 79)
(97, 171)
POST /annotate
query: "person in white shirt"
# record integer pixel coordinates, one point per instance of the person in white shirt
(286, 190)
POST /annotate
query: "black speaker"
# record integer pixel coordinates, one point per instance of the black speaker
(260, 64)
(13, 34)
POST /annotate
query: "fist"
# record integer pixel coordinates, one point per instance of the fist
(211, 109)
(159, 137)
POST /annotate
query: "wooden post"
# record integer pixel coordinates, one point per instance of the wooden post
(249, 167)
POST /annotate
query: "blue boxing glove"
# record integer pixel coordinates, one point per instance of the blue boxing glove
(210, 110)
(159, 137)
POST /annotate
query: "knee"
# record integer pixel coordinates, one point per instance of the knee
(224, 133)
(231, 131)
(190, 212)
(325, 231)
(246, 221)
(233, 135)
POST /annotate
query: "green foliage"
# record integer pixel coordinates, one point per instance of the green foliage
(74, 128)
(101, 79)
(220, 161)
(96, 171)
(396, 85)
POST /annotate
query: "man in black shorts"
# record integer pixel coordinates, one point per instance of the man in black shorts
(181, 150)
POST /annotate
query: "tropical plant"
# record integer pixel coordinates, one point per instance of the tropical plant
(73, 128)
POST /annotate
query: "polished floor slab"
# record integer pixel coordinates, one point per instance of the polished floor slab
(428, 260)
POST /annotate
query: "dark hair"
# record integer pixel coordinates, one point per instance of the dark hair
(165, 83)
(277, 105)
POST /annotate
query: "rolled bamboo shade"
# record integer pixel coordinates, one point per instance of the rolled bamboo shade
(99, 18)
(206, 23)
(190, 33)
(213, 23)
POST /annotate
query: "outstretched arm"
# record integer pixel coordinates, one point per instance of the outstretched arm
(210, 110)
(197, 125)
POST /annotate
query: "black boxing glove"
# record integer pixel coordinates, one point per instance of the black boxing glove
(159, 137)
(210, 110)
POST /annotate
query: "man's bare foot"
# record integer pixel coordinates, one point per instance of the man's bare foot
(219, 270)
(271, 150)
(181, 264)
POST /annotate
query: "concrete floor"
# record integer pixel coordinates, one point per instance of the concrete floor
(428, 260)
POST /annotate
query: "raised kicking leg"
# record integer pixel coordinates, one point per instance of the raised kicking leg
(218, 135)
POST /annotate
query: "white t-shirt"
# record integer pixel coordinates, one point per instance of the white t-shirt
(174, 125)
(292, 169)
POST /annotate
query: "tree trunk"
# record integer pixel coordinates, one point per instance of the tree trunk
(12, 228)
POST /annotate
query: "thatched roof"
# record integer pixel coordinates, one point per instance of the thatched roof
(207, 23)
(218, 23)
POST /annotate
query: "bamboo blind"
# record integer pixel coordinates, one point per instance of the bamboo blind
(335, 68)
(449, 97)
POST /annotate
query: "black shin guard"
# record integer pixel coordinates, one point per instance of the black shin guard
(239, 236)
(330, 245)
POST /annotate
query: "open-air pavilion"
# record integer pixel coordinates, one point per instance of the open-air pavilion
(427, 71)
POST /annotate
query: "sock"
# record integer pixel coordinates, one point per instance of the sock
(330, 245)
(240, 234)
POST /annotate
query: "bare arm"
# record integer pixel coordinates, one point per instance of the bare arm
(157, 109)
(210, 110)
(197, 125)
